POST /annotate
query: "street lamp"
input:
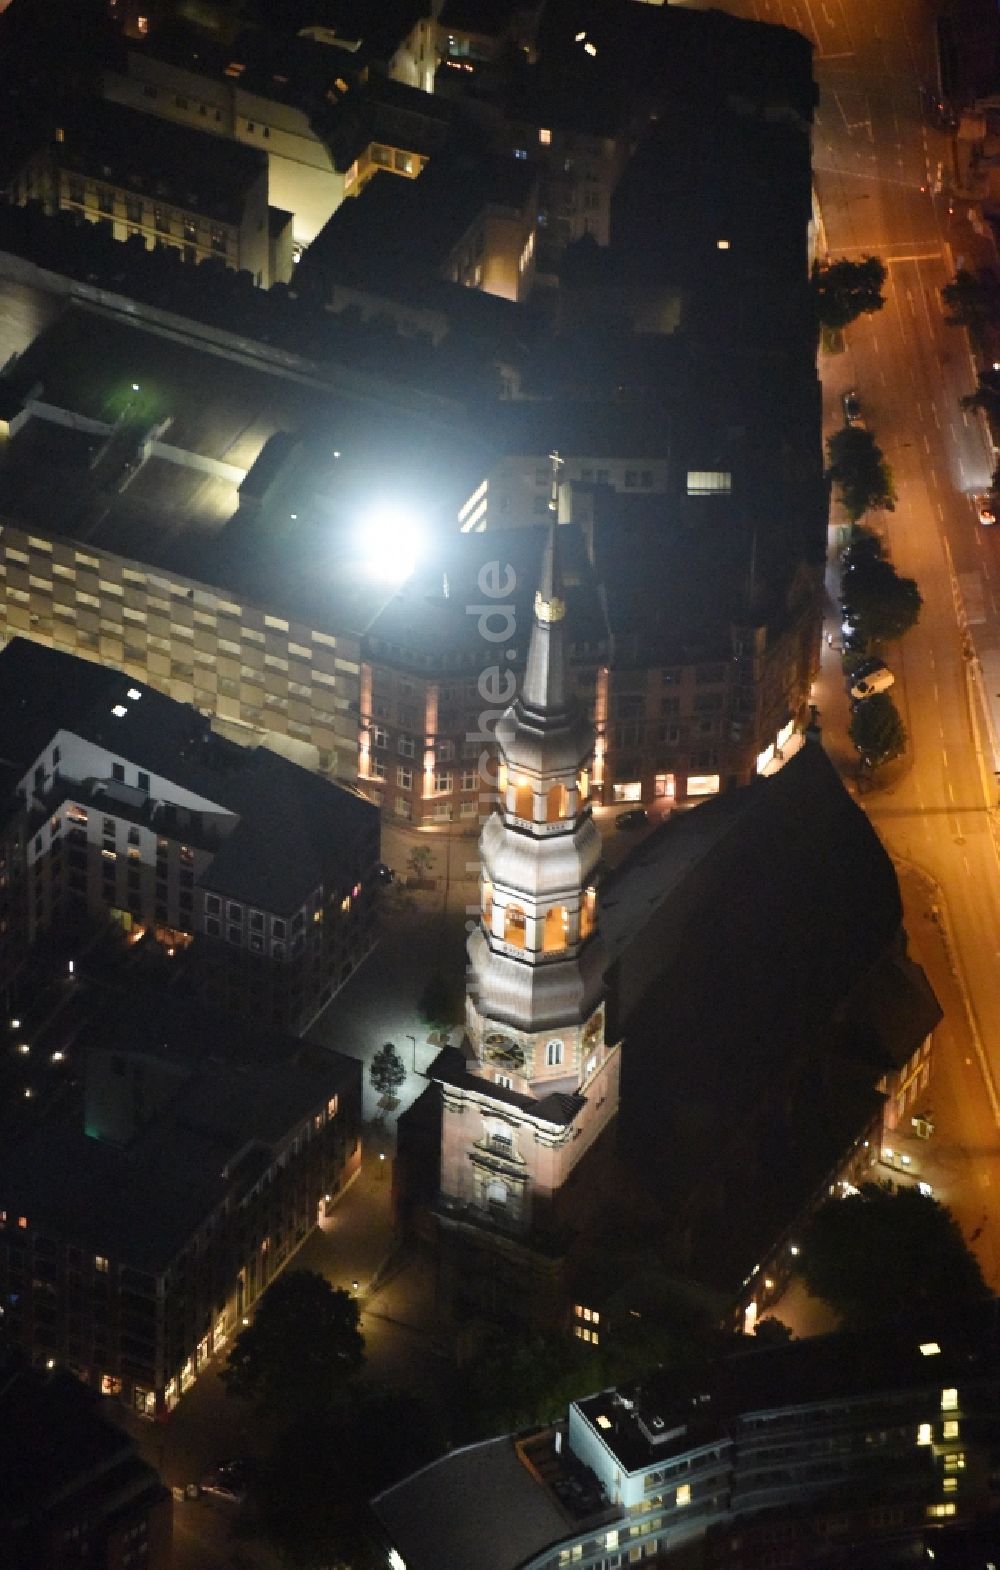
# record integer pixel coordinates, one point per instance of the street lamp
(413, 1042)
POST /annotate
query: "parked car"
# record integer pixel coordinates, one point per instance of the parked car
(229, 1480)
(852, 408)
(633, 819)
(385, 874)
(986, 509)
(867, 682)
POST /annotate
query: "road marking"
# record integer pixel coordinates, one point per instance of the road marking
(940, 509)
(927, 444)
(934, 411)
(875, 344)
(925, 256)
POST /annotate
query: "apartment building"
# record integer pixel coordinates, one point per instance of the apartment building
(137, 1231)
(278, 94)
(798, 1455)
(684, 701)
(75, 1486)
(111, 165)
(127, 806)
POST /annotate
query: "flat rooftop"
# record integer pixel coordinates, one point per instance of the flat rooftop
(308, 553)
(670, 1413)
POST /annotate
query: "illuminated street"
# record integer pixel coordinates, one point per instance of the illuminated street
(937, 810)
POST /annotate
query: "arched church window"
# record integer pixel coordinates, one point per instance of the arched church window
(583, 784)
(556, 929)
(553, 1053)
(588, 913)
(514, 926)
(523, 805)
(556, 803)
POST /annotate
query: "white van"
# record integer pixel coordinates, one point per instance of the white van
(878, 680)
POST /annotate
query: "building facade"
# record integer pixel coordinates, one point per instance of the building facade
(253, 670)
(201, 1181)
(172, 188)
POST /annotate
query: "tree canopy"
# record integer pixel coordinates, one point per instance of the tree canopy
(302, 1348)
(441, 1001)
(858, 468)
(877, 730)
(986, 395)
(880, 1255)
(972, 300)
(880, 603)
(310, 1493)
(387, 1070)
(845, 290)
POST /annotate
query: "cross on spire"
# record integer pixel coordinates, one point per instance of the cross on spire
(555, 464)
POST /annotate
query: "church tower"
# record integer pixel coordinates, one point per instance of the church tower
(537, 1081)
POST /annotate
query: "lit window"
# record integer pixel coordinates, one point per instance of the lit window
(554, 1053)
(929, 1348)
(119, 711)
(709, 482)
(722, 245)
(950, 1484)
(924, 1434)
(544, 136)
(955, 1462)
(331, 1107)
(949, 1428)
(936, 1512)
(100, 1264)
(949, 1400)
(683, 1495)
(603, 1422)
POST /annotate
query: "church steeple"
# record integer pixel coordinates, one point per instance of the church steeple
(535, 960)
(539, 1081)
(544, 689)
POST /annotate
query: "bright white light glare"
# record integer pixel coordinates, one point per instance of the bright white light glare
(929, 1348)
(390, 540)
(590, 48)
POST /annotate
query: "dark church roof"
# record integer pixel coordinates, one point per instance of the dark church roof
(747, 939)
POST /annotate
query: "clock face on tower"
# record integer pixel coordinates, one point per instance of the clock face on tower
(504, 1052)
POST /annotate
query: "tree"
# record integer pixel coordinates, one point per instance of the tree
(441, 1001)
(772, 1332)
(986, 395)
(877, 731)
(301, 1350)
(863, 546)
(858, 467)
(880, 603)
(418, 862)
(845, 290)
(519, 1381)
(309, 1496)
(973, 301)
(880, 1256)
(388, 1070)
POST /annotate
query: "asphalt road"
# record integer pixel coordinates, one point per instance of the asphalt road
(883, 180)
